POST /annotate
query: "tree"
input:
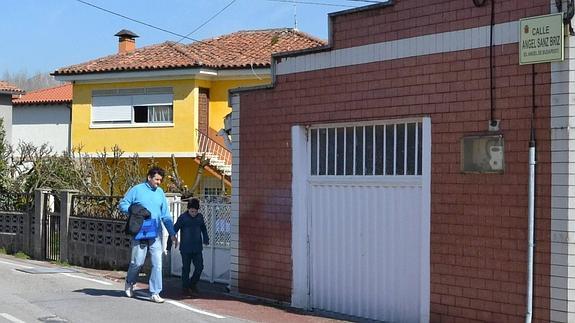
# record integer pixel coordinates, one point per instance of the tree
(29, 167)
(35, 167)
(28, 82)
(108, 173)
(177, 184)
(4, 150)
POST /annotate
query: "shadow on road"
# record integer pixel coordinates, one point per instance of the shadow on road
(139, 294)
(101, 292)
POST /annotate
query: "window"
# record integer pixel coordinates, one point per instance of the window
(153, 114)
(211, 191)
(212, 186)
(136, 106)
(376, 149)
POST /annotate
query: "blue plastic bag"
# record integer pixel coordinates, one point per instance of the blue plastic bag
(147, 231)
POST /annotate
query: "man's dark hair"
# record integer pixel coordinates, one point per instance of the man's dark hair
(156, 170)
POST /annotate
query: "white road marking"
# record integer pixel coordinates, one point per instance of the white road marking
(11, 318)
(15, 264)
(89, 279)
(178, 304)
(189, 308)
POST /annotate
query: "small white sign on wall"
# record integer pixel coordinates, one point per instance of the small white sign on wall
(541, 39)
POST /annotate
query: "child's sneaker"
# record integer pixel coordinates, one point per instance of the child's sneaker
(129, 289)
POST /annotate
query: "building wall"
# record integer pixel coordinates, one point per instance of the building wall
(6, 115)
(39, 124)
(141, 139)
(219, 106)
(478, 221)
(409, 18)
(562, 181)
(164, 140)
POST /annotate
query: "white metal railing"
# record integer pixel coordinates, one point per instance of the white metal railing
(210, 146)
(217, 216)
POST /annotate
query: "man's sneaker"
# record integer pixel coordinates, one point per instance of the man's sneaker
(156, 298)
(129, 289)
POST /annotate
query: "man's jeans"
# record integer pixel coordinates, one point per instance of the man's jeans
(139, 250)
(198, 261)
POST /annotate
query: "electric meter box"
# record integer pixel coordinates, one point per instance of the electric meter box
(482, 154)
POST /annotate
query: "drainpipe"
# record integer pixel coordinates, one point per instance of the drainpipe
(531, 208)
(531, 228)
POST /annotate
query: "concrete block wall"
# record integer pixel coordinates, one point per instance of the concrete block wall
(15, 231)
(98, 243)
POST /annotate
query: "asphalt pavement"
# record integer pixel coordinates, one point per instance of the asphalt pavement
(34, 291)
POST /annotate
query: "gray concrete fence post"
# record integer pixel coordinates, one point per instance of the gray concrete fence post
(27, 231)
(39, 215)
(65, 211)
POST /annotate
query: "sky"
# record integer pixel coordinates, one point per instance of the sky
(40, 36)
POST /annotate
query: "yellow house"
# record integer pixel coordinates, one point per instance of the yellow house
(171, 98)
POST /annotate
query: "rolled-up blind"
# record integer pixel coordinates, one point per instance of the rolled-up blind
(152, 99)
(116, 105)
(112, 109)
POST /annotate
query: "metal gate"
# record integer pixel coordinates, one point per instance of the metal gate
(217, 215)
(366, 218)
(52, 228)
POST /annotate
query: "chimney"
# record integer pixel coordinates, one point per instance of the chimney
(127, 41)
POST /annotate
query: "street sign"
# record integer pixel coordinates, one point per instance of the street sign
(541, 39)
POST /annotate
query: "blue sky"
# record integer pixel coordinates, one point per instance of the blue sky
(44, 35)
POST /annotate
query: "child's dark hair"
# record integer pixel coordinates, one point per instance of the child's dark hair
(194, 204)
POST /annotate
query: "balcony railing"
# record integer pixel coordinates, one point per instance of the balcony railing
(210, 146)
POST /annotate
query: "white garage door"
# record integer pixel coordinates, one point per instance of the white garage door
(366, 201)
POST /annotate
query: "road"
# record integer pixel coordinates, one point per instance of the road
(78, 297)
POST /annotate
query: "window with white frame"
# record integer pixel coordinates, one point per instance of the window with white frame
(213, 191)
(375, 149)
(212, 186)
(134, 106)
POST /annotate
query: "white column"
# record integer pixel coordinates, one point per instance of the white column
(563, 185)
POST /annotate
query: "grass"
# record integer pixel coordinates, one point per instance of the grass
(61, 263)
(21, 255)
(3, 251)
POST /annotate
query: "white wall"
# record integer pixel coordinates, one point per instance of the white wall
(41, 124)
(562, 287)
(6, 114)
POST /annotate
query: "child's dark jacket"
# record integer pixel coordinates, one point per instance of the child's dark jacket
(193, 232)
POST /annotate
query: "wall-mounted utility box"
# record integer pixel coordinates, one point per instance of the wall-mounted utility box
(482, 154)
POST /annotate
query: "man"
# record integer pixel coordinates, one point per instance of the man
(150, 196)
(193, 233)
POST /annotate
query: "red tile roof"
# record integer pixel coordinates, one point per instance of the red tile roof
(8, 88)
(53, 95)
(237, 50)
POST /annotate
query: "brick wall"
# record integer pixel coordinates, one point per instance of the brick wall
(478, 222)
(412, 18)
(204, 110)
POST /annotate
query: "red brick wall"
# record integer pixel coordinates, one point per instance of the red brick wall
(204, 110)
(478, 222)
(412, 18)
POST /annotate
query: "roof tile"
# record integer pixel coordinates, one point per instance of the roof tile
(237, 50)
(53, 95)
(6, 87)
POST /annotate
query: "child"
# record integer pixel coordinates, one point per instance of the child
(193, 233)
